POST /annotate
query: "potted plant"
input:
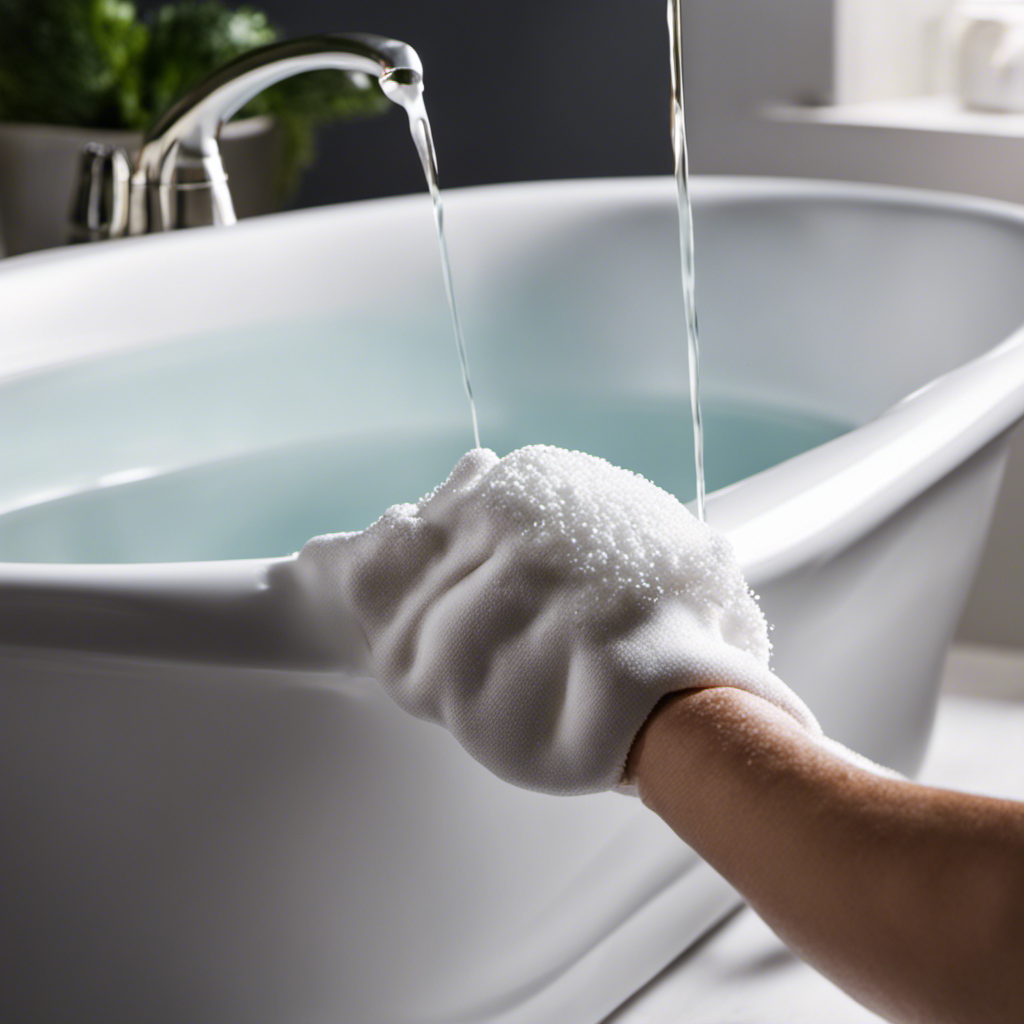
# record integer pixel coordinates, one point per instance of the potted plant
(80, 71)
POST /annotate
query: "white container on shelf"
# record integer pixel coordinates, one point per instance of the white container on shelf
(988, 50)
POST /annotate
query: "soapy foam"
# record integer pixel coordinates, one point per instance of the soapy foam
(625, 537)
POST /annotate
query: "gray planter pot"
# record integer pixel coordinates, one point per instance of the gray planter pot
(39, 164)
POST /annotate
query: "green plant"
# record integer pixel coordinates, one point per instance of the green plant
(95, 63)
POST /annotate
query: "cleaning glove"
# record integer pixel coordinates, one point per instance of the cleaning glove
(539, 606)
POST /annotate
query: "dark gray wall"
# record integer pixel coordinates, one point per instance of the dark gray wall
(516, 89)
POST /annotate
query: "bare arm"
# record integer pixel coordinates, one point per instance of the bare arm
(910, 898)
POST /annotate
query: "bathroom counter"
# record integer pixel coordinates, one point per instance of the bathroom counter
(742, 974)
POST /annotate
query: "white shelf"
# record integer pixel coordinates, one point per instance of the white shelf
(914, 113)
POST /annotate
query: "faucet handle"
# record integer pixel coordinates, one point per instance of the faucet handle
(100, 206)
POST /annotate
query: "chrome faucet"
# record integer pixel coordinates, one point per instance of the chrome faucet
(178, 180)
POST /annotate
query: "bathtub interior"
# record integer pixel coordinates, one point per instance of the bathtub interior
(817, 314)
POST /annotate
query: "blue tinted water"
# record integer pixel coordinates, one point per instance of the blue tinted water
(270, 502)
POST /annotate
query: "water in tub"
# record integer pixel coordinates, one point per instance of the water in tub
(219, 505)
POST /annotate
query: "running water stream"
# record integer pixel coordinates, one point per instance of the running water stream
(675, 35)
(405, 87)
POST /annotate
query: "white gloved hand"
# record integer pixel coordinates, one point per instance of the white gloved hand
(539, 607)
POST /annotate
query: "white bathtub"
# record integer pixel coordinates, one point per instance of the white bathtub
(203, 819)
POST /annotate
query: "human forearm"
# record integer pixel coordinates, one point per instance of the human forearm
(909, 898)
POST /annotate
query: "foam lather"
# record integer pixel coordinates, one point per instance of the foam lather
(539, 606)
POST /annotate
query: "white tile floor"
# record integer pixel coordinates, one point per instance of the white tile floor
(742, 974)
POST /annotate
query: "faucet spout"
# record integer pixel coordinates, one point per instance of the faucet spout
(179, 180)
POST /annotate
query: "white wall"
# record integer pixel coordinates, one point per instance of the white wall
(742, 54)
